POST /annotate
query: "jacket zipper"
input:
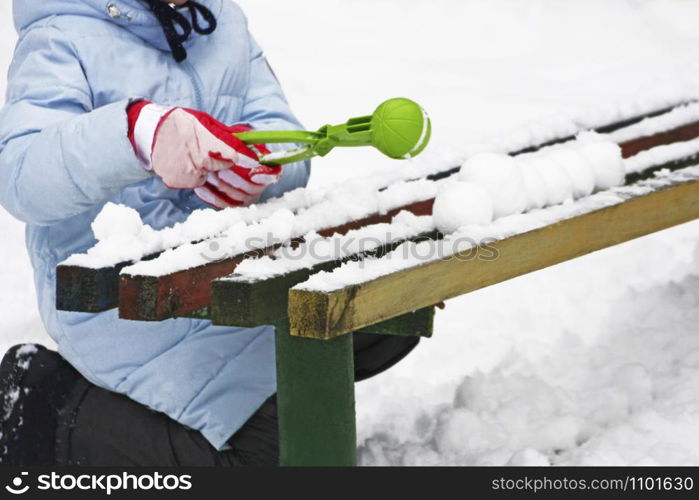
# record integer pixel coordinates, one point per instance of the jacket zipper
(196, 84)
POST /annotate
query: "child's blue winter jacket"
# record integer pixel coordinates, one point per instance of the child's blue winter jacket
(64, 153)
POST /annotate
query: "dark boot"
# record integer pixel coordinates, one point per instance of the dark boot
(34, 386)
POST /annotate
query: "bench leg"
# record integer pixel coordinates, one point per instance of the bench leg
(315, 396)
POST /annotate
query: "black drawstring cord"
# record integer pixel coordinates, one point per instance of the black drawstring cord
(170, 19)
(205, 13)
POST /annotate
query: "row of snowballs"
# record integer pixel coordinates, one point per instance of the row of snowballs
(490, 185)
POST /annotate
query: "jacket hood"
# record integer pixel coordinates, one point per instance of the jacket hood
(135, 15)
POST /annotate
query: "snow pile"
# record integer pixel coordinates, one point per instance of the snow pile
(201, 224)
(316, 249)
(344, 205)
(511, 185)
(237, 240)
(117, 221)
(411, 254)
(486, 425)
(614, 383)
(122, 236)
(560, 125)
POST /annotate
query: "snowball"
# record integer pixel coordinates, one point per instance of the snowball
(533, 185)
(500, 175)
(578, 168)
(117, 221)
(461, 204)
(604, 158)
(557, 182)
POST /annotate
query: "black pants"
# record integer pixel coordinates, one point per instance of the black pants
(105, 428)
(73, 422)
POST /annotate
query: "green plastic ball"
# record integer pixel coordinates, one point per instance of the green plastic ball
(400, 128)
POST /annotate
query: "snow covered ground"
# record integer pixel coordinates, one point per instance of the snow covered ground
(594, 361)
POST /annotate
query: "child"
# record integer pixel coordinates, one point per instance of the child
(79, 66)
(125, 101)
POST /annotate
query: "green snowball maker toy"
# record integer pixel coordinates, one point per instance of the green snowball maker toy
(399, 128)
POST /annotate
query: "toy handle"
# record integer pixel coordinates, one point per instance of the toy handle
(278, 137)
(309, 139)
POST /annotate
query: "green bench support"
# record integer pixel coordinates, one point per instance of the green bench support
(315, 377)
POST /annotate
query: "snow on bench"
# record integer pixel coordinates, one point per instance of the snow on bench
(147, 287)
(678, 117)
(561, 128)
(329, 264)
(176, 282)
(599, 172)
(362, 293)
(686, 151)
(316, 249)
(259, 287)
(163, 296)
(204, 224)
(328, 216)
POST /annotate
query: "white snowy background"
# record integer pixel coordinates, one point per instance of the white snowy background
(595, 361)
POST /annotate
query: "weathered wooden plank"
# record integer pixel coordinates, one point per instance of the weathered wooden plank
(156, 298)
(151, 298)
(679, 134)
(87, 290)
(326, 315)
(253, 303)
(250, 304)
(236, 301)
